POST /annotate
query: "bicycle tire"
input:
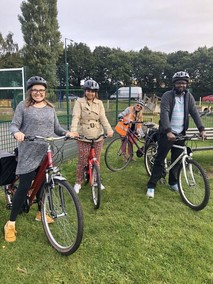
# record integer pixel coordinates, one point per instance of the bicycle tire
(115, 158)
(196, 191)
(96, 186)
(60, 202)
(149, 157)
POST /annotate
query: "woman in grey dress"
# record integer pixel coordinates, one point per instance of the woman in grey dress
(34, 116)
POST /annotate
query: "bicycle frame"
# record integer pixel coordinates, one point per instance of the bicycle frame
(91, 160)
(183, 156)
(133, 138)
(43, 173)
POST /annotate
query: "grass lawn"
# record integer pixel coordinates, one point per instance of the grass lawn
(130, 239)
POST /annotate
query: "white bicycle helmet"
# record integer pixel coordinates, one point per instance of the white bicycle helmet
(140, 102)
(91, 85)
(180, 75)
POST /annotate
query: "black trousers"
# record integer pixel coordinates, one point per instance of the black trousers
(164, 146)
(25, 181)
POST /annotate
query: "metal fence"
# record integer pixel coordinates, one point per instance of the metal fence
(8, 143)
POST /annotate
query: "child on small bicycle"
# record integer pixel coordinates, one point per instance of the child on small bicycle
(89, 120)
(131, 113)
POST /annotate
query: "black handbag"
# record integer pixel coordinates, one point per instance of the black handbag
(8, 165)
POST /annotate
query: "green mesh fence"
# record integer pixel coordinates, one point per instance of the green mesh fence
(11, 77)
(11, 87)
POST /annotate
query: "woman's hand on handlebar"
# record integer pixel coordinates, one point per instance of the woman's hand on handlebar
(72, 134)
(110, 133)
(19, 136)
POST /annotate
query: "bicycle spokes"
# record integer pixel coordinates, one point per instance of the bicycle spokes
(61, 203)
(96, 186)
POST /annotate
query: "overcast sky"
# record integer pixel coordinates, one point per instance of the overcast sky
(161, 25)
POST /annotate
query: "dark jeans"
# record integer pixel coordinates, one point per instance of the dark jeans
(163, 148)
(25, 181)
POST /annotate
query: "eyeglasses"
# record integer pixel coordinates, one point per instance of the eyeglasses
(91, 91)
(139, 106)
(41, 91)
(181, 83)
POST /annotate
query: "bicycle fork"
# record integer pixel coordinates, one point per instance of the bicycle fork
(90, 165)
(190, 180)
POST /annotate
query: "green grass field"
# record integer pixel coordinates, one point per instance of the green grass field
(130, 239)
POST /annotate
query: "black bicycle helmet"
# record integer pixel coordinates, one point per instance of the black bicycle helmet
(91, 84)
(181, 75)
(140, 102)
(36, 80)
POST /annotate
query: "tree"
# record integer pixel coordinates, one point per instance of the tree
(149, 69)
(10, 56)
(42, 38)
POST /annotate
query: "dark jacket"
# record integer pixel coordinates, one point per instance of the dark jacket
(166, 108)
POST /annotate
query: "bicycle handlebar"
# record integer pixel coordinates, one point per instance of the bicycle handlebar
(180, 137)
(47, 139)
(93, 139)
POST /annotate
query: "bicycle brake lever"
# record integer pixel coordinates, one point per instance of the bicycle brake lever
(29, 138)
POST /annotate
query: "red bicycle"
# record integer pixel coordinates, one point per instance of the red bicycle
(92, 172)
(58, 200)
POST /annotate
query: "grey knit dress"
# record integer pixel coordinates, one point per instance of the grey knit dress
(34, 121)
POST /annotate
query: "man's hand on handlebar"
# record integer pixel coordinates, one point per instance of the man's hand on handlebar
(203, 135)
(171, 137)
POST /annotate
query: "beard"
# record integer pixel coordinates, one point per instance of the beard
(179, 91)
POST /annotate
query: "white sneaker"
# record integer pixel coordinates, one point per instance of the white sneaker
(77, 188)
(174, 187)
(150, 192)
(102, 187)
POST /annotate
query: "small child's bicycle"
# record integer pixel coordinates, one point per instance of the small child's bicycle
(58, 200)
(92, 172)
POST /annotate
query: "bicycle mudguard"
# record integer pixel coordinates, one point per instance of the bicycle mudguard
(59, 178)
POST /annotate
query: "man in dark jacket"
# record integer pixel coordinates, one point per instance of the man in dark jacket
(176, 105)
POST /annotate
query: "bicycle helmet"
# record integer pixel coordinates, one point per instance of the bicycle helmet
(36, 80)
(91, 84)
(181, 75)
(140, 102)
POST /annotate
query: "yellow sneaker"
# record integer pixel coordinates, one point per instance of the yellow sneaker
(38, 218)
(9, 233)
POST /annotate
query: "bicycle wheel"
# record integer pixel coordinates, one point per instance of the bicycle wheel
(193, 185)
(118, 154)
(96, 186)
(61, 203)
(149, 157)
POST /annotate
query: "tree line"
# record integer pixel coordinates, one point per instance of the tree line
(45, 54)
